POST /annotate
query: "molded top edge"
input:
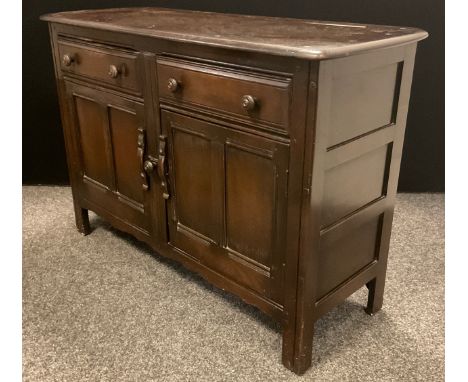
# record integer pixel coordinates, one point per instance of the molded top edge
(308, 39)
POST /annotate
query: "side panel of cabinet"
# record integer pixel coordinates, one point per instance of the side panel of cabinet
(110, 133)
(228, 201)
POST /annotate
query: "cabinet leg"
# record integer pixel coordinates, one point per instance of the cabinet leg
(376, 291)
(82, 219)
(297, 346)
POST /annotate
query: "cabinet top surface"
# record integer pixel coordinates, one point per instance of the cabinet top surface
(309, 39)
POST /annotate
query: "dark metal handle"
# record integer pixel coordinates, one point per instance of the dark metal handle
(173, 85)
(114, 71)
(162, 166)
(249, 102)
(141, 155)
(67, 59)
(148, 166)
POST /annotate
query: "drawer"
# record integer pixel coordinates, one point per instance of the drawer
(253, 96)
(112, 66)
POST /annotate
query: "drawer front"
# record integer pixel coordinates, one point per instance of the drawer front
(252, 96)
(111, 66)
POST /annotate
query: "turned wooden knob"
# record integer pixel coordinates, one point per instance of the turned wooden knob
(172, 85)
(248, 102)
(113, 71)
(67, 59)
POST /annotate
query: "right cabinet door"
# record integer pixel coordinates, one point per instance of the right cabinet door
(227, 200)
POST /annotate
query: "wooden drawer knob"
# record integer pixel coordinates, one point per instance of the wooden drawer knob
(67, 59)
(114, 71)
(173, 85)
(248, 102)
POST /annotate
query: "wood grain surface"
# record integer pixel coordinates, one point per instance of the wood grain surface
(289, 37)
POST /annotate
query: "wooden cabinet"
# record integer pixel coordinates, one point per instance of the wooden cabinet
(261, 153)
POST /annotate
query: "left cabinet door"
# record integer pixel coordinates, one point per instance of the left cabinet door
(111, 141)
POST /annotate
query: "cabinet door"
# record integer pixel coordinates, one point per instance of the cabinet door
(227, 200)
(110, 135)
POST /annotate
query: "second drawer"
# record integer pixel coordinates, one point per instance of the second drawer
(249, 95)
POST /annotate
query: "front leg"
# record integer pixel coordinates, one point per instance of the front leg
(299, 332)
(297, 348)
(376, 291)
(82, 219)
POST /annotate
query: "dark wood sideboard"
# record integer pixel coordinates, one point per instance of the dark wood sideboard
(262, 153)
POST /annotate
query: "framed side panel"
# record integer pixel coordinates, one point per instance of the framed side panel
(356, 122)
(367, 108)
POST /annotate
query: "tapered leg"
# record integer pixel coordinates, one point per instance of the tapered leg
(82, 219)
(376, 291)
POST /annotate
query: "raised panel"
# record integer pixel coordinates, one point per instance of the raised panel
(250, 202)
(194, 174)
(355, 183)
(340, 259)
(363, 101)
(92, 126)
(124, 131)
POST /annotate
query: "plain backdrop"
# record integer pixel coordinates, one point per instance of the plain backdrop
(422, 168)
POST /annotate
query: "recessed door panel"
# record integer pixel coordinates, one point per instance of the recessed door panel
(250, 201)
(124, 131)
(192, 171)
(93, 136)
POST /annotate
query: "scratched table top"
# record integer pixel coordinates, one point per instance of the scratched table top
(309, 39)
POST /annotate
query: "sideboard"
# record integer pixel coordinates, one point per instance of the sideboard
(262, 153)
